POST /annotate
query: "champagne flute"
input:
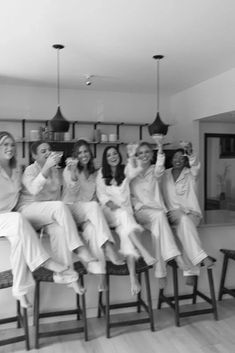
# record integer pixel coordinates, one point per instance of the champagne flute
(158, 138)
(184, 144)
(59, 155)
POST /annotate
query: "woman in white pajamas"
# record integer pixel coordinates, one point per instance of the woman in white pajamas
(150, 210)
(79, 193)
(114, 195)
(184, 214)
(39, 203)
(27, 253)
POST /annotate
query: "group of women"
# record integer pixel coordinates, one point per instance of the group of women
(127, 198)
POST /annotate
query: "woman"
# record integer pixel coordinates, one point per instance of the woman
(80, 196)
(150, 210)
(39, 204)
(114, 195)
(184, 214)
(27, 253)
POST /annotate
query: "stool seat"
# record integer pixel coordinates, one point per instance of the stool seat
(6, 281)
(173, 301)
(122, 270)
(228, 255)
(45, 275)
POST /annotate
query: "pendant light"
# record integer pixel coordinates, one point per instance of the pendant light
(158, 127)
(58, 123)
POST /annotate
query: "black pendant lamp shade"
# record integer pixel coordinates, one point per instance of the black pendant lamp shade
(158, 127)
(58, 123)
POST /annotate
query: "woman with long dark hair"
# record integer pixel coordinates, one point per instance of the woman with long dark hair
(114, 195)
(80, 196)
(27, 253)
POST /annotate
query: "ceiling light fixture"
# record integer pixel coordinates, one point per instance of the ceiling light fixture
(158, 127)
(58, 123)
(89, 80)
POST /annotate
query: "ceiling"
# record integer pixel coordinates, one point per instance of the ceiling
(114, 40)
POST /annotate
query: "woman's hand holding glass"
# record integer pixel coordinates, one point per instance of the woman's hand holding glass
(158, 138)
(131, 149)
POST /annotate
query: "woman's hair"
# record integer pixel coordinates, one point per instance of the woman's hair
(106, 169)
(3, 136)
(144, 143)
(90, 166)
(34, 146)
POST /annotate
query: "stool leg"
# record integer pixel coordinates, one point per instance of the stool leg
(36, 312)
(107, 308)
(139, 295)
(223, 276)
(100, 304)
(26, 329)
(159, 304)
(18, 313)
(195, 291)
(148, 292)
(176, 296)
(78, 307)
(212, 291)
(84, 313)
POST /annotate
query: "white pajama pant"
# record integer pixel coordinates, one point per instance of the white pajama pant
(55, 218)
(96, 231)
(27, 253)
(186, 232)
(124, 223)
(163, 241)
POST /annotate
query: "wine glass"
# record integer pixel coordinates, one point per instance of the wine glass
(158, 138)
(184, 144)
(132, 148)
(59, 155)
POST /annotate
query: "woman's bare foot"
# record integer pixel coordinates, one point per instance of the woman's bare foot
(135, 286)
(24, 302)
(84, 254)
(181, 264)
(162, 281)
(77, 287)
(150, 260)
(208, 262)
(191, 280)
(112, 255)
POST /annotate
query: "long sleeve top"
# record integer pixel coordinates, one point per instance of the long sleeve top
(81, 190)
(182, 193)
(145, 187)
(119, 194)
(9, 189)
(35, 187)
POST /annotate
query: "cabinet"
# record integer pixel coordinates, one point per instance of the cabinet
(125, 132)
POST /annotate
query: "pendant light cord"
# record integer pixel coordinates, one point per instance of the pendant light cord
(58, 77)
(158, 85)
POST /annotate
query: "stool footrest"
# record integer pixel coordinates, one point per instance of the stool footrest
(60, 313)
(12, 340)
(60, 332)
(129, 322)
(229, 291)
(195, 312)
(8, 319)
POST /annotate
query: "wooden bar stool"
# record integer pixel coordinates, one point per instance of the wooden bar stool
(173, 301)
(44, 275)
(6, 281)
(228, 255)
(122, 270)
